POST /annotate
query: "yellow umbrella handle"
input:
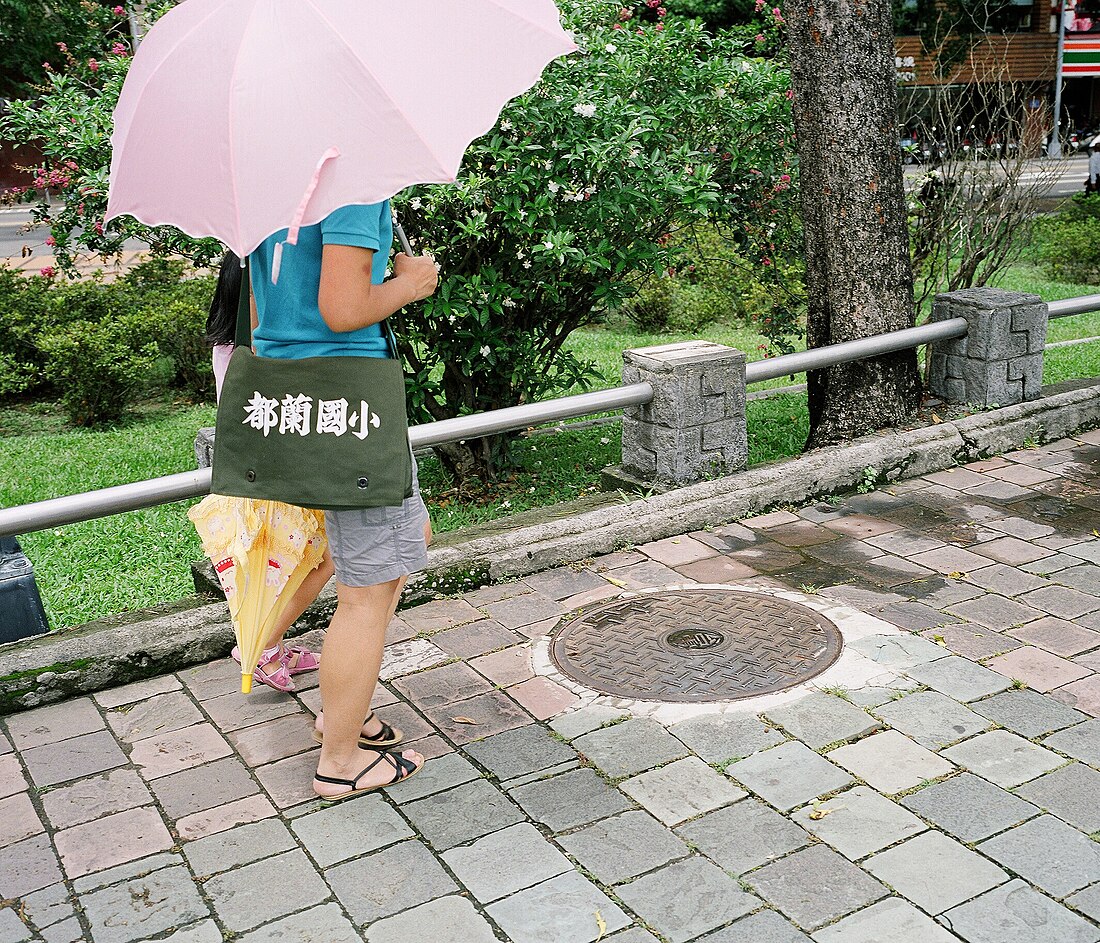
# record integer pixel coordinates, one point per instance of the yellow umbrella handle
(246, 682)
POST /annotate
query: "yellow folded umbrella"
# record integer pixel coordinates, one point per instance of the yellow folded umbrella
(261, 551)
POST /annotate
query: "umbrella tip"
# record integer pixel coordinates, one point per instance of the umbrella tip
(246, 683)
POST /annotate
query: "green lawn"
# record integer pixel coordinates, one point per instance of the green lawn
(129, 561)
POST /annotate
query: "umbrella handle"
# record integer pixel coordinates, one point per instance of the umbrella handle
(406, 246)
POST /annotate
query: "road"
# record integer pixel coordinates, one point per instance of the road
(16, 241)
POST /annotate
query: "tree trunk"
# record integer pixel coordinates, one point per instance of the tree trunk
(859, 279)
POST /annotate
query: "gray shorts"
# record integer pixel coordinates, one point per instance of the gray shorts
(376, 545)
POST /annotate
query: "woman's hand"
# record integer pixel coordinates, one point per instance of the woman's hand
(419, 274)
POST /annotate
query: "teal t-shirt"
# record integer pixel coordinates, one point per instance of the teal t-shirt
(290, 323)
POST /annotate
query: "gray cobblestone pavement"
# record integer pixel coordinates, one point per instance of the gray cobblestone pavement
(940, 783)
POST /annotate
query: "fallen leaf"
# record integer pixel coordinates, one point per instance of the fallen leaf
(465, 720)
(615, 582)
(940, 640)
(956, 575)
(819, 813)
(676, 540)
(601, 924)
(936, 418)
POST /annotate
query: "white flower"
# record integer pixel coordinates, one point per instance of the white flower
(553, 187)
(450, 319)
(720, 92)
(485, 350)
(506, 126)
(605, 441)
(415, 203)
(611, 47)
(508, 303)
(548, 245)
(505, 504)
(585, 110)
(527, 264)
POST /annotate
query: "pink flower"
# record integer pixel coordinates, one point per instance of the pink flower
(99, 227)
(93, 65)
(766, 261)
(48, 272)
(617, 26)
(652, 4)
(785, 178)
(759, 37)
(659, 27)
(50, 241)
(47, 67)
(62, 47)
(119, 11)
(760, 6)
(119, 49)
(661, 11)
(641, 32)
(625, 14)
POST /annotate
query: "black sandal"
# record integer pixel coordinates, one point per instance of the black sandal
(387, 736)
(402, 767)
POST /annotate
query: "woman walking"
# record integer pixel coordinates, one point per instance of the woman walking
(332, 299)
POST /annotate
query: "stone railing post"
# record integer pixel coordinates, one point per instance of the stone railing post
(1000, 360)
(204, 447)
(695, 426)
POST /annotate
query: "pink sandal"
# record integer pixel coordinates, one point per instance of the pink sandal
(279, 679)
(307, 660)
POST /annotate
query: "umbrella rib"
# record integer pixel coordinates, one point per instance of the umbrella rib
(335, 32)
(232, 152)
(514, 14)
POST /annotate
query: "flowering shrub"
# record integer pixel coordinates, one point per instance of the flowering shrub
(576, 197)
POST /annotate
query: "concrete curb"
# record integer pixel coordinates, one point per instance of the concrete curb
(139, 645)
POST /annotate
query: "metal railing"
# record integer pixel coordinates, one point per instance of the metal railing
(73, 509)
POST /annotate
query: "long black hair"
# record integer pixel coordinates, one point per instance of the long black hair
(221, 323)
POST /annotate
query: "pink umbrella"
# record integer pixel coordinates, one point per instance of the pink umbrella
(239, 118)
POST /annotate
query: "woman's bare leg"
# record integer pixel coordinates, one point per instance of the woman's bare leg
(350, 660)
(301, 600)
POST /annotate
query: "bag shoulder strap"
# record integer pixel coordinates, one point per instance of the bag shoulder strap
(243, 336)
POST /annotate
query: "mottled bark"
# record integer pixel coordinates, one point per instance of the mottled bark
(859, 280)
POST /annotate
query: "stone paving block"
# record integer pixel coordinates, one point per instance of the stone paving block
(27, 866)
(18, 819)
(444, 920)
(477, 638)
(508, 666)
(1082, 576)
(224, 817)
(1089, 550)
(458, 815)
(898, 651)
(1083, 694)
(126, 872)
(145, 907)
(1087, 901)
(203, 787)
(517, 612)
(971, 641)
(718, 738)
(914, 616)
(633, 935)
(1082, 741)
(134, 834)
(12, 929)
(1058, 636)
(491, 713)
(818, 719)
(1072, 793)
(543, 698)
(54, 723)
(68, 931)
(815, 887)
(951, 560)
(721, 569)
(996, 612)
(743, 836)
(569, 800)
(624, 846)
(1030, 714)
(1011, 550)
(1048, 853)
(561, 910)
(48, 906)
(349, 830)
(137, 691)
(932, 719)
(1006, 580)
(889, 921)
(766, 926)
(1062, 601)
(445, 685)
(410, 657)
(1021, 527)
(958, 678)
(243, 897)
(969, 807)
(54, 763)
(519, 752)
(161, 714)
(324, 923)
(584, 720)
(275, 740)
(439, 614)
(389, 881)
(630, 747)
(562, 582)
(935, 872)
(1003, 758)
(681, 790)
(442, 773)
(676, 551)
(890, 762)
(858, 822)
(178, 750)
(1038, 669)
(238, 846)
(687, 898)
(788, 775)
(505, 862)
(861, 526)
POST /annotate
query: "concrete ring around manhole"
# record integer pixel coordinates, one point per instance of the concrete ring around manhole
(676, 651)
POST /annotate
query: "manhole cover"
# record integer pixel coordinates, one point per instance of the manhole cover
(695, 645)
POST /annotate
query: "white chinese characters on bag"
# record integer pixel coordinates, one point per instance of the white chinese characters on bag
(293, 415)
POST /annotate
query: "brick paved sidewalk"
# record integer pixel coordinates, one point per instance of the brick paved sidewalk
(940, 784)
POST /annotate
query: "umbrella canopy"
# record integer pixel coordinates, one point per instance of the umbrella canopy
(240, 118)
(262, 551)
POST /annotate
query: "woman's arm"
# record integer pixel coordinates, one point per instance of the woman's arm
(347, 299)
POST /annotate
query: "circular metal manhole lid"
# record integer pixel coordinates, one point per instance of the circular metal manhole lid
(706, 644)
